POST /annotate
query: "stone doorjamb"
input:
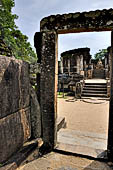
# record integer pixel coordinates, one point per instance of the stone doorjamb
(110, 129)
(48, 84)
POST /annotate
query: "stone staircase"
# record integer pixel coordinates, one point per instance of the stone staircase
(94, 90)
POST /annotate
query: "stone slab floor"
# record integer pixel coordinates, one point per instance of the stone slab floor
(56, 161)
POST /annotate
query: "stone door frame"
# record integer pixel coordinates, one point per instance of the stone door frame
(46, 43)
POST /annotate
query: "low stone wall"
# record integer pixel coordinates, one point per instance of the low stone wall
(15, 126)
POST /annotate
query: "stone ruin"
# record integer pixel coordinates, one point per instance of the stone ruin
(79, 61)
(72, 69)
(75, 61)
(46, 43)
(16, 122)
(77, 65)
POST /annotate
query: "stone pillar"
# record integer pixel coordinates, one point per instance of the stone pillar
(62, 65)
(78, 64)
(84, 65)
(85, 69)
(48, 87)
(69, 66)
(110, 130)
(106, 62)
(81, 62)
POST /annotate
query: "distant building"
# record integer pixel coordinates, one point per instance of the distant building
(75, 61)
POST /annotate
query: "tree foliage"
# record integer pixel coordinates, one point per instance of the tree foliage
(100, 54)
(12, 36)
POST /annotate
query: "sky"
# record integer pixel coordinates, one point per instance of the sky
(31, 12)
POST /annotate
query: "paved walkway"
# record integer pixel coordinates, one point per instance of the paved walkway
(56, 161)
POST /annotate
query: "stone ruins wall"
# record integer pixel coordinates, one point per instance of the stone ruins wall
(15, 126)
(74, 61)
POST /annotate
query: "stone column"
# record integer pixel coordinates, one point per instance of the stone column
(81, 62)
(110, 130)
(106, 62)
(48, 87)
(78, 64)
(84, 65)
(62, 65)
(69, 66)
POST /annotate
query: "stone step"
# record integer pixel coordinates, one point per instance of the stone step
(94, 95)
(95, 89)
(94, 92)
(82, 142)
(95, 86)
(102, 84)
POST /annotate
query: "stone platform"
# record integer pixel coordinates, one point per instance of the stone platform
(94, 80)
(82, 142)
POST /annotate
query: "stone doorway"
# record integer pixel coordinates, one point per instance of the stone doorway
(46, 45)
(86, 130)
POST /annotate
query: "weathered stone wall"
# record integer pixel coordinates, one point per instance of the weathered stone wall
(99, 20)
(14, 106)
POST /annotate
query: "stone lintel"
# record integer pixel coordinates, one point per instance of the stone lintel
(99, 20)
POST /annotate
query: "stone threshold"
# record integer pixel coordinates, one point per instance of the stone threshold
(83, 143)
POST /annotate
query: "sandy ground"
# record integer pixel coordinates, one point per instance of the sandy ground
(83, 116)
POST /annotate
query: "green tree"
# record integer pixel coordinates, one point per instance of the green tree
(12, 36)
(100, 54)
